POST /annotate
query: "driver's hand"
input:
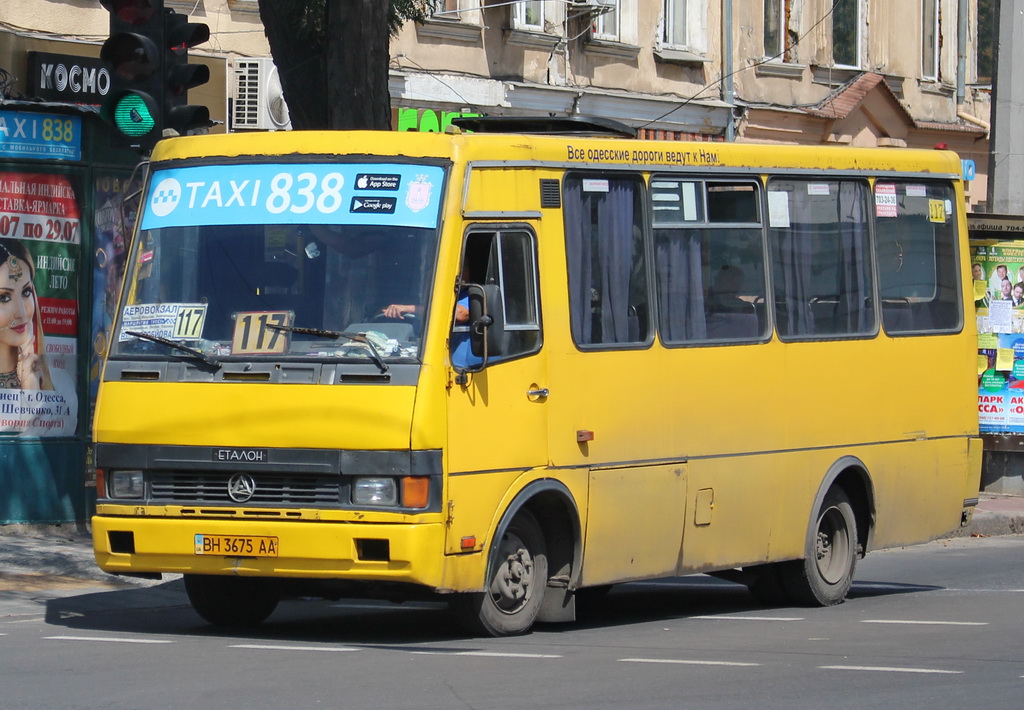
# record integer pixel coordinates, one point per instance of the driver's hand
(398, 311)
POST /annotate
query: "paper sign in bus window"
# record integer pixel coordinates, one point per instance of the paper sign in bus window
(778, 209)
(177, 321)
(885, 200)
(254, 336)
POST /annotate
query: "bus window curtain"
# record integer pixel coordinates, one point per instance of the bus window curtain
(599, 235)
(680, 285)
(793, 251)
(853, 314)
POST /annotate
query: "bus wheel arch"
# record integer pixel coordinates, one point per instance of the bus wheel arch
(838, 532)
(539, 535)
(850, 474)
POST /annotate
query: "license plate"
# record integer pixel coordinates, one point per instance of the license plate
(236, 545)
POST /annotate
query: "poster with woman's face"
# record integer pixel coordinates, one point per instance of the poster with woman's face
(40, 238)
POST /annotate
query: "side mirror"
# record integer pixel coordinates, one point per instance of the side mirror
(486, 321)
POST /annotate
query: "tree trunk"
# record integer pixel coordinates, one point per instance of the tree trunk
(297, 41)
(358, 43)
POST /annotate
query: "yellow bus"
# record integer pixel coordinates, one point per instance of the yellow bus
(501, 368)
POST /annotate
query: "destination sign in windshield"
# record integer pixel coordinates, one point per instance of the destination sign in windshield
(313, 193)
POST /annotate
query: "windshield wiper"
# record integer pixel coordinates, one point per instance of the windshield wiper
(197, 354)
(335, 334)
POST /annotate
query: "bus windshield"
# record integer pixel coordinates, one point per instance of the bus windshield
(347, 281)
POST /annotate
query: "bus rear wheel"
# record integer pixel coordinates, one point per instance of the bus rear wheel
(825, 576)
(516, 587)
(231, 601)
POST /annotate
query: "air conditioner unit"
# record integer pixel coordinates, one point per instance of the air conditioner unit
(258, 103)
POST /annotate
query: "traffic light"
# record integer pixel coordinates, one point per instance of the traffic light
(147, 51)
(133, 51)
(180, 35)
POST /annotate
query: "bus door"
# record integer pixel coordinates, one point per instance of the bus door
(497, 421)
(613, 408)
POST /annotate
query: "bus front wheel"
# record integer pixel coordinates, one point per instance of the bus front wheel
(231, 601)
(825, 576)
(515, 589)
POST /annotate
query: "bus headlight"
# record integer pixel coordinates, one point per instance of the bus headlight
(374, 491)
(125, 484)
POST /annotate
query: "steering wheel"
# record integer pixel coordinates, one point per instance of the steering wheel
(410, 318)
(406, 317)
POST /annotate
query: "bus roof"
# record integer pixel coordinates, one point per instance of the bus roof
(580, 152)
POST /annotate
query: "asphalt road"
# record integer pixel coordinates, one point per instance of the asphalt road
(938, 625)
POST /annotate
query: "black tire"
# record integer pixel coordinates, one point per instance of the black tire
(231, 601)
(767, 587)
(516, 587)
(824, 578)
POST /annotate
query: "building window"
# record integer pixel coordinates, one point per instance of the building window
(930, 39)
(986, 42)
(445, 9)
(606, 24)
(846, 33)
(776, 29)
(685, 25)
(529, 15)
(675, 22)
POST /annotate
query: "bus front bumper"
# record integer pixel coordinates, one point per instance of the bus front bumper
(380, 552)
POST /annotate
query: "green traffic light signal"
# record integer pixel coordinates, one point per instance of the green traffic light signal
(132, 116)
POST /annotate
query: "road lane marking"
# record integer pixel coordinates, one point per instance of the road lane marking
(924, 623)
(890, 669)
(269, 647)
(749, 618)
(106, 639)
(495, 654)
(683, 662)
(486, 654)
(986, 591)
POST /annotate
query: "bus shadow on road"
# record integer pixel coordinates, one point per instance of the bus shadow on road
(164, 609)
(698, 596)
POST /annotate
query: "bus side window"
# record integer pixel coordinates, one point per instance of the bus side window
(820, 257)
(505, 258)
(708, 260)
(605, 249)
(918, 271)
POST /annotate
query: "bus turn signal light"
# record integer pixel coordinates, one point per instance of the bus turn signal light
(415, 491)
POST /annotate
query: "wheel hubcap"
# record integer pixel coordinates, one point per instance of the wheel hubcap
(512, 584)
(831, 548)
